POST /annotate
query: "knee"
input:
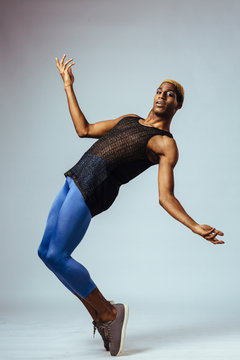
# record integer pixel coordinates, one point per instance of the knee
(54, 260)
(42, 253)
(51, 259)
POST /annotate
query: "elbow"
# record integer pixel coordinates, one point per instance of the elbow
(164, 199)
(83, 133)
(161, 202)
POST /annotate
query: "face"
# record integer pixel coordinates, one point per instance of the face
(165, 101)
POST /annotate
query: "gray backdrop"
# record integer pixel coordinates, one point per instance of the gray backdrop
(122, 50)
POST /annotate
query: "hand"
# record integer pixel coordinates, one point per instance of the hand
(208, 233)
(65, 72)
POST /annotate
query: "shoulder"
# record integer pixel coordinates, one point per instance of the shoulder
(100, 128)
(123, 117)
(170, 150)
(165, 146)
(130, 115)
(134, 115)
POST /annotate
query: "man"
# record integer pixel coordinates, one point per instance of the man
(126, 147)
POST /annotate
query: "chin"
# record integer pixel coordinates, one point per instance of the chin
(159, 111)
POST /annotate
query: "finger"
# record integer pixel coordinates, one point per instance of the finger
(69, 66)
(62, 59)
(57, 62)
(215, 233)
(67, 62)
(220, 232)
(209, 231)
(211, 236)
(216, 241)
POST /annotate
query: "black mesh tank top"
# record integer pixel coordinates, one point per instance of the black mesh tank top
(114, 159)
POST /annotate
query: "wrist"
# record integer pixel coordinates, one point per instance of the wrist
(194, 227)
(68, 87)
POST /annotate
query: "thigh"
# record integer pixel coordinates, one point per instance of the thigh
(73, 220)
(53, 215)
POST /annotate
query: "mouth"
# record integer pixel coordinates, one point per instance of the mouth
(160, 103)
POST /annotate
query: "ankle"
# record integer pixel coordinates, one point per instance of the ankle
(108, 315)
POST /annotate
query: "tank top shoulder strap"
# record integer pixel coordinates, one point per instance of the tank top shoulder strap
(160, 131)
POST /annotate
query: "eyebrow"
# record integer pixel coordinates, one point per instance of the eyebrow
(159, 88)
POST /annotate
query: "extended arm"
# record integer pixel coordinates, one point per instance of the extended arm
(166, 194)
(168, 201)
(82, 126)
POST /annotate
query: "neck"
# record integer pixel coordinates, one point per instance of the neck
(162, 123)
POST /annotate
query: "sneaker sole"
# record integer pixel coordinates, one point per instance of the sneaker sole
(126, 314)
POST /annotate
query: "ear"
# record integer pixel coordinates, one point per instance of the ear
(179, 105)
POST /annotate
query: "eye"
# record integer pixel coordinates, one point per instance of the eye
(159, 91)
(170, 93)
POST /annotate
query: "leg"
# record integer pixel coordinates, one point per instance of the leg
(73, 220)
(51, 225)
(60, 240)
(67, 223)
(48, 232)
(52, 220)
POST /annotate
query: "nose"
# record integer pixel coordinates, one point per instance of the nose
(162, 95)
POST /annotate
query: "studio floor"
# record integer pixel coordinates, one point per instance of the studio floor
(161, 332)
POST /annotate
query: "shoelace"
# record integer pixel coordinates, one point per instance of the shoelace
(94, 322)
(103, 328)
(94, 328)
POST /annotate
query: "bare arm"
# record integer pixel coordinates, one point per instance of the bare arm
(168, 201)
(82, 126)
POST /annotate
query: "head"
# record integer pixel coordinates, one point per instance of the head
(168, 99)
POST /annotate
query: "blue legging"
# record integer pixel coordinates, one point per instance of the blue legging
(67, 223)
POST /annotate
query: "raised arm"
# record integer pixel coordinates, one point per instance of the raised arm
(167, 162)
(82, 126)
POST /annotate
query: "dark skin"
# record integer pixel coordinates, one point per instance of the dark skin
(161, 150)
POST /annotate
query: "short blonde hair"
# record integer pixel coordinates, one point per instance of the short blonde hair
(179, 89)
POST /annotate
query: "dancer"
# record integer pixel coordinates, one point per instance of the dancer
(126, 147)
